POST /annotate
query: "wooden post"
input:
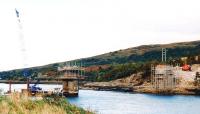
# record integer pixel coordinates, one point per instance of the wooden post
(27, 84)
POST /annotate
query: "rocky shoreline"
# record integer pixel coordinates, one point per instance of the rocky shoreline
(135, 84)
(140, 89)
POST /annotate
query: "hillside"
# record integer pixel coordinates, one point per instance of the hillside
(119, 63)
(145, 53)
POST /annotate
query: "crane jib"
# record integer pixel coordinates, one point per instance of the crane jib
(25, 72)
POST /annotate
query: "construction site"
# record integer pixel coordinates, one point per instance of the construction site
(166, 77)
(67, 75)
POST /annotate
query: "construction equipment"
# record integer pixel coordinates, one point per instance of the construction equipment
(26, 72)
(186, 67)
(34, 88)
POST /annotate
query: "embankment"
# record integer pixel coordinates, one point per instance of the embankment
(136, 84)
(18, 104)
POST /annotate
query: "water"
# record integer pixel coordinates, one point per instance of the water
(108, 102)
(17, 87)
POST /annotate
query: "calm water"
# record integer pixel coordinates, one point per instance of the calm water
(108, 102)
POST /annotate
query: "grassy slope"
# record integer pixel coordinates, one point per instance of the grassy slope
(145, 53)
(136, 54)
(16, 104)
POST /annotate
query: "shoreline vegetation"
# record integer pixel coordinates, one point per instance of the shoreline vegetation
(17, 103)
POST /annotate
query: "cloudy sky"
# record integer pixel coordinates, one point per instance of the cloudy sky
(61, 30)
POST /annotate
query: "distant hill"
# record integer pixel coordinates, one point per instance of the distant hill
(144, 53)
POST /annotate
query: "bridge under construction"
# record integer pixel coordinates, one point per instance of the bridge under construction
(70, 74)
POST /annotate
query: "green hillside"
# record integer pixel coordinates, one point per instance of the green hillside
(145, 53)
(120, 63)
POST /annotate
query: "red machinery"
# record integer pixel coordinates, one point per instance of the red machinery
(186, 67)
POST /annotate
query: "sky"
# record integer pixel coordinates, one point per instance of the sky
(62, 30)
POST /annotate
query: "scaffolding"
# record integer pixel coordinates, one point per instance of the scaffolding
(72, 72)
(162, 77)
(197, 79)
(72, 69)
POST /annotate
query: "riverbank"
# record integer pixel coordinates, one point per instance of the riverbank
(106, 86)
(18, 104)
(136, 84)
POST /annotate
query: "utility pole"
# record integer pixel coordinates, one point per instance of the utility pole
(164, 55)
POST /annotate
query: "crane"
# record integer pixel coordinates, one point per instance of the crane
(26, 72)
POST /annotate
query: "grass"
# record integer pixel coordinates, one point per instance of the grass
(18, 104)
